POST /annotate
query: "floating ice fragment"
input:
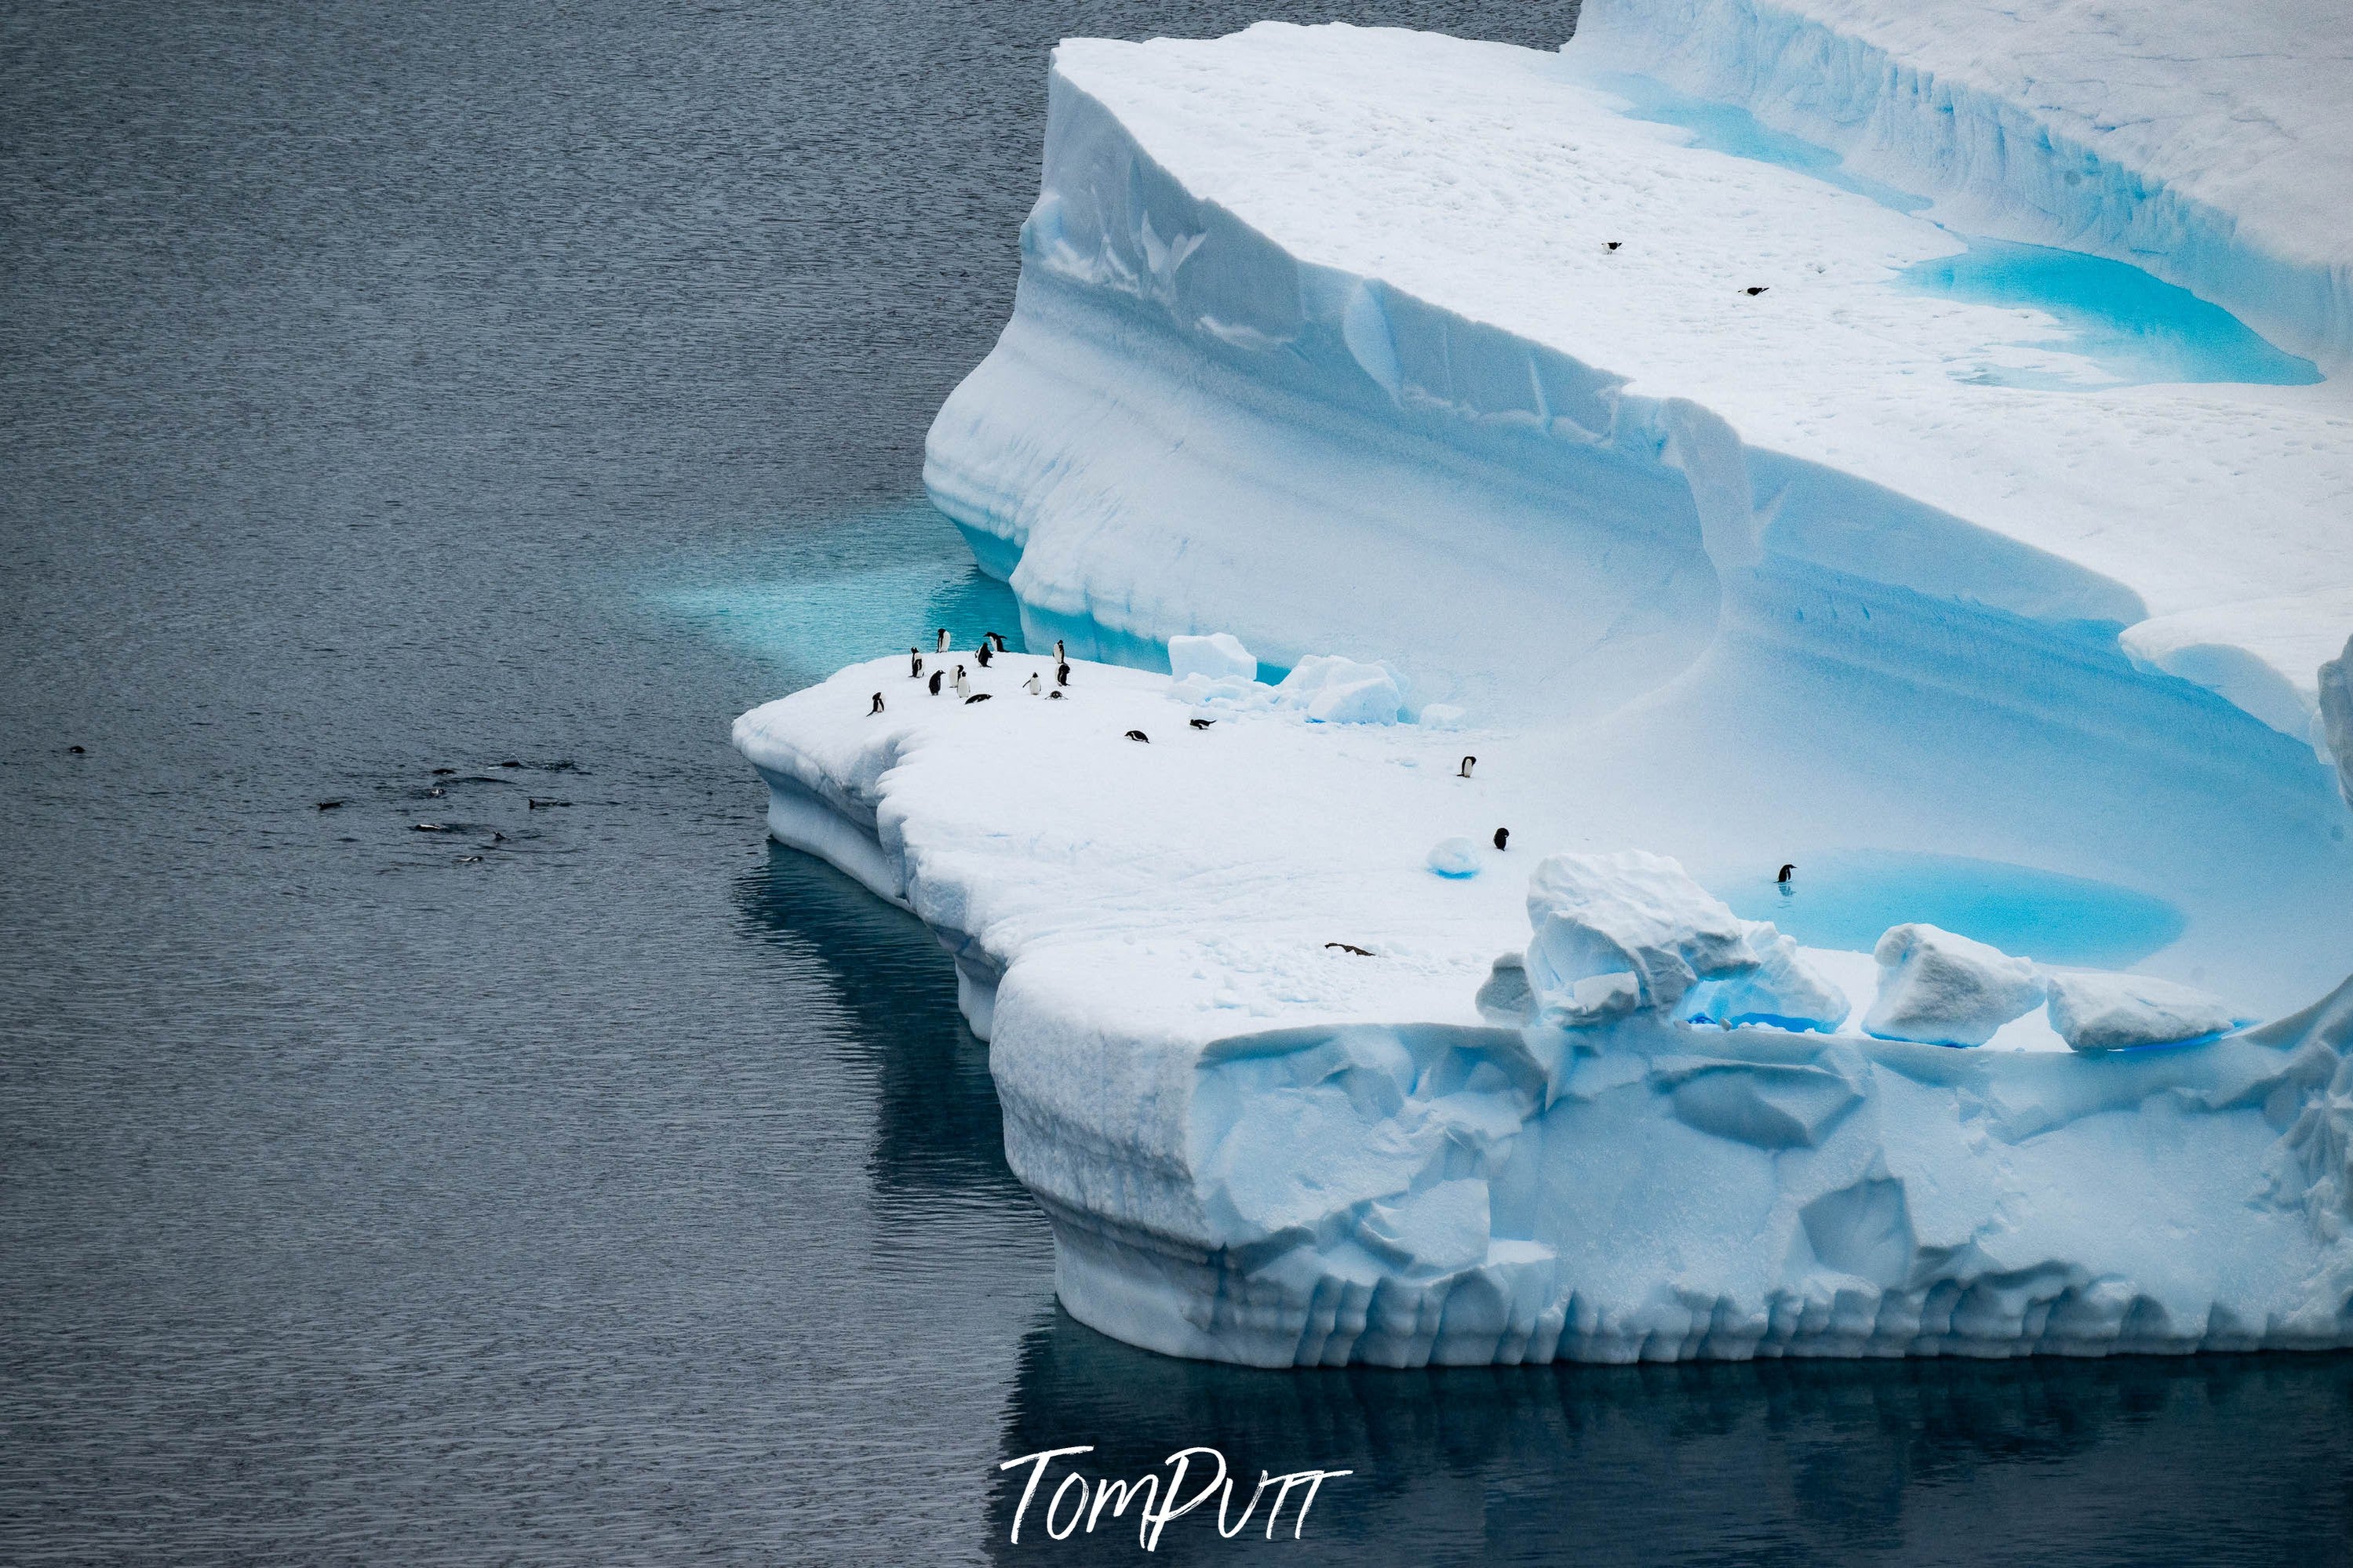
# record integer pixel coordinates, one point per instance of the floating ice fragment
(1218, 655)
(1618, 932)
(1941, 989)
(1454, 857)
(2095, 1012)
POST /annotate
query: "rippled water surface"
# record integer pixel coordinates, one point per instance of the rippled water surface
(522, 391)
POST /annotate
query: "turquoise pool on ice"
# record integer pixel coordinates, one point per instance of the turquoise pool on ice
(2134, 326)
(1847, 899)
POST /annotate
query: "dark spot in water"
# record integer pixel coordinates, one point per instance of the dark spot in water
(434, 827)
(439, 772)
(330, 805)
(535, 804)
(73, 750)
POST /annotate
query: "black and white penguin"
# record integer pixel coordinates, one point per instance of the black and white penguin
(1754, 289)
(976, 697)
(1055, 694)
(1501, 835)
(1061, 675)
(1613, 243)
(937, 676)
(1139, 735)
(1033, 685)
(878, 706)
(963, 686)
(1059, 657)
(999, 638)
(1203, 724)
(1350, 947)
(1468, 763)
(984, 655)
(914, 665)
(1782, 881)
(941, 645)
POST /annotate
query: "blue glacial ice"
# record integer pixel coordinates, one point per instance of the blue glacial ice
(1561, 474)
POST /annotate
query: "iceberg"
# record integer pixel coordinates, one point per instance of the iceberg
(1588, 476)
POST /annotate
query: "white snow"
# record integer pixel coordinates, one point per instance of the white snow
(2094, 1011)
(1942, 989)
(1321, 363)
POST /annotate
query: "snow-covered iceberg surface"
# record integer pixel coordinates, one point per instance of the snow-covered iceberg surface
(1436, 462)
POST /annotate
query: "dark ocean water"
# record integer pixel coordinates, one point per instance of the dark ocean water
(524, 391)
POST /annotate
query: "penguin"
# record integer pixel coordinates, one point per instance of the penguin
(1468, 763)
(1061, 675)
(1348, 947)
(1754, 289)
(469, 860)
(1056, 696)
(1059, 657)
(1032, 686)
(1614, 244)
(438, 772)
(941, 645)
(976, 697)
(964, 686)
(999, 638)
(76, 750)
(535, 803)
(1139, 735)
(937, 676)
(1203, 724)
(914, 665)
(1501, 834)
(984, 655)
(1782, 881)
(331, 805)
(878, 706)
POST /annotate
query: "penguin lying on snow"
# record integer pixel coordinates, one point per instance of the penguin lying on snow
(1203, 724)
(976, 697)
(1345, 947)
(1757, 289)
(1139, 735)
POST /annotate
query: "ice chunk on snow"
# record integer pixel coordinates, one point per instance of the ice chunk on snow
(1784, 990)
(1454, 857)
(1618, 932)
(1218, 655)
(1441, 716)
(2096, 1012)
(1943, 989)
(1335, 690)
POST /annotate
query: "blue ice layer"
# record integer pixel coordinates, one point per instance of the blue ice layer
(1848, 898)
(2134, 326)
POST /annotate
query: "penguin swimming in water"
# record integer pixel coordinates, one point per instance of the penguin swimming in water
(1032, 686)
(914, 665)
(941, 645)
(1139, 735)
(1061, 675)
(964, 686)
(937, 676)
(984, 654)
(1467, 764)
(1501, 835)
(1782, 881)
(878, 706)
(1203, 724)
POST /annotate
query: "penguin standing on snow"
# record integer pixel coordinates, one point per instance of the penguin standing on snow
(964, 686)
(936, 676)
(1468, 763)
(914, 665)
(983, 655)
(1059, 657)
(1061, 675)
(1501, 835)
(878, 706)
(941, 645)
(1031, 685)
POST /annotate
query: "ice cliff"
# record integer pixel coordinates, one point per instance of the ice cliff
(1373, 400)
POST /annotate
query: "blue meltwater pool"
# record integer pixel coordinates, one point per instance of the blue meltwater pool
(1848, 898)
